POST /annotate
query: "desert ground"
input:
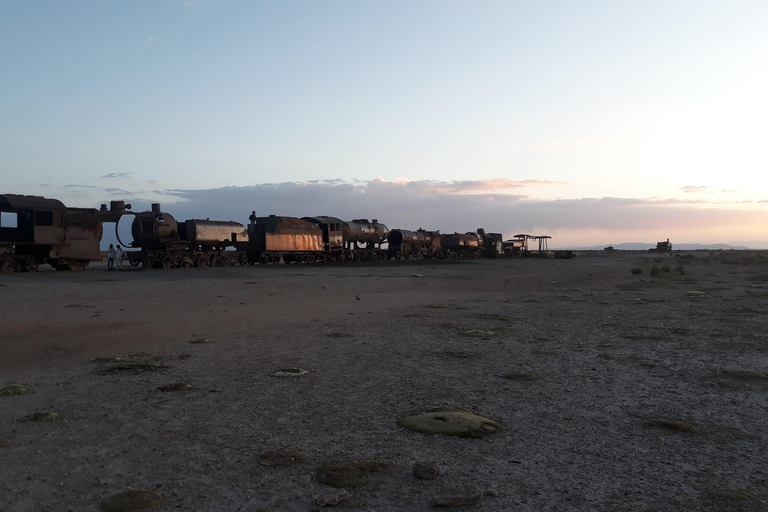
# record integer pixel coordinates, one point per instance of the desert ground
(614, 391)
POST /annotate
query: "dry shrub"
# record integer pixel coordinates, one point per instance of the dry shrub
(655, 270)
(637, 271)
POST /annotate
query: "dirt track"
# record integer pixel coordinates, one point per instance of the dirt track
(612, 353)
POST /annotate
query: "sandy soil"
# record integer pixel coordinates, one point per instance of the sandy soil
(612, 352)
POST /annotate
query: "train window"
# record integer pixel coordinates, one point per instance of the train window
(9, 220)
(43, 218)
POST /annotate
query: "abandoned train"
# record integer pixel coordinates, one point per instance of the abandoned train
(36, 230)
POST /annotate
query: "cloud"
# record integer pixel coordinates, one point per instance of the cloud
(117, 175)
(691, 189)
(446, 206)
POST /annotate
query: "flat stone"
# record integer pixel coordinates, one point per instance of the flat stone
(290, 372)
(460, 496)
(450, 421)
(132, 500)
(680, 426)
(42, 416)
(425, 471)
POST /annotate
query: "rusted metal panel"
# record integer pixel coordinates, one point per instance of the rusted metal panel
(214, 231)
(290, 242)
(21, 202)
(284, 234)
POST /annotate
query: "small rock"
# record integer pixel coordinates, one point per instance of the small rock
(469, 495)
(333, 499)
(42, 416)
(290, 372)
(178, 386)
(680, 426)
(425, 471)
(132, 500)
(5, 442)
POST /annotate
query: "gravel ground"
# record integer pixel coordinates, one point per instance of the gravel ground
(612, 353)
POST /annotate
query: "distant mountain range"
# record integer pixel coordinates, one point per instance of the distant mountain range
(638, 246)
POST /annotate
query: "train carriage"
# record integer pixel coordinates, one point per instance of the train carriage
(35, 230)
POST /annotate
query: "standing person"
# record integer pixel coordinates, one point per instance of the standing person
(252, 218)
(111, 257)
(119, 256)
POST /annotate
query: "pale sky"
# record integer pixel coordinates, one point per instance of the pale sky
(595, 122)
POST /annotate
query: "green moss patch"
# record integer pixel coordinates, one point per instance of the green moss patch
(137, 367)
(5, 442)
(348, 473)
(200, 341)
(679, 426)
(281, 458)
(450, 421)
(13, 389)
(132, 500)
(730, 494)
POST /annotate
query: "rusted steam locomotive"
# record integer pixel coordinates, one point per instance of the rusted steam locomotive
(164, 242)
(36, 230)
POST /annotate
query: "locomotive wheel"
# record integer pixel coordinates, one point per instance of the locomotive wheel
(30, 265)
(243, 260)
(134, 263)
(350, 256)
(186, 262)
(398, 255)
(149, 262)
(9, 266)
(202, 262)
(166, 262)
